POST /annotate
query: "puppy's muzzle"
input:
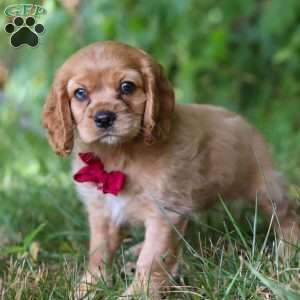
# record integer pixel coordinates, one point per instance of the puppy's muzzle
(104, 119)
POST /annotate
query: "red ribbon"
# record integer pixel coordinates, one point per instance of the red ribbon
(109, 182)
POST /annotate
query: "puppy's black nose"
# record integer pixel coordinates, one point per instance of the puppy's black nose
(104, 119)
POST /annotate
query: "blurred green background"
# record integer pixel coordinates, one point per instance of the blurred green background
(241, 54)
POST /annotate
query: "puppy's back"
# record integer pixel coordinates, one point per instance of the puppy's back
(234, 155)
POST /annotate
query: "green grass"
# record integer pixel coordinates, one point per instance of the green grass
(44, 235)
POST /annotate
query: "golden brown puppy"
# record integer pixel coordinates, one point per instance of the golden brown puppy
(114, 101)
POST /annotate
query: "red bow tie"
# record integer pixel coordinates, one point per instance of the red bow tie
(108, 182)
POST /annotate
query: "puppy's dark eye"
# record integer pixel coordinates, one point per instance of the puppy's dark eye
(81, 94)
(127, 87)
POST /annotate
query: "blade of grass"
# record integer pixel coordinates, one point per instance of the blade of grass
(254, 231)
(227, 292)
(235, 225)
(277, 288)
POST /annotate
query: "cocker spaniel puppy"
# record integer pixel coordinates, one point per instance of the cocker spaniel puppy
(141, 159)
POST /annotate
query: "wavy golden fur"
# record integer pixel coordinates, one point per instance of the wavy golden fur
(178, 158)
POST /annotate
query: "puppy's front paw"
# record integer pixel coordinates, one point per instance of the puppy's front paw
(141, 291)
(86, 288)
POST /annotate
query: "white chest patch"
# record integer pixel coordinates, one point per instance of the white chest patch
(115, 205)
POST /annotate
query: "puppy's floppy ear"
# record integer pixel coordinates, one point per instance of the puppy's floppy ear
(159, 103)
(57, 118)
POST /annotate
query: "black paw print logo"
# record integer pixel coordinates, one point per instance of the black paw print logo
(24, 33)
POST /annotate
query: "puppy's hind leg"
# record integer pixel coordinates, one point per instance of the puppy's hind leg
(272, 196)
(135, 251)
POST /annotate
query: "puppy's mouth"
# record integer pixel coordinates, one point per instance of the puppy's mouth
(110, 138)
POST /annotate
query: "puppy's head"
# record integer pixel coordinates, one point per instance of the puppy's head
(110, 93)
